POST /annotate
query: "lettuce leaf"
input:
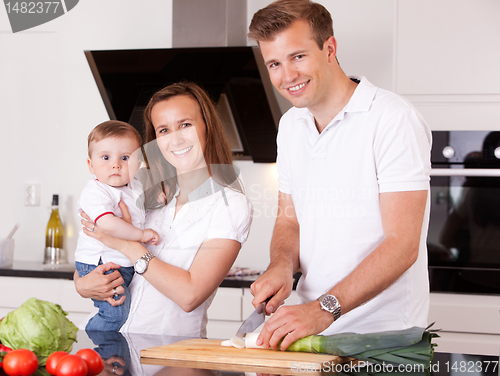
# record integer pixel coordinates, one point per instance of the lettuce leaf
(39, 326)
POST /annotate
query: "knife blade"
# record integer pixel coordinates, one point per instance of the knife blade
(256, 318)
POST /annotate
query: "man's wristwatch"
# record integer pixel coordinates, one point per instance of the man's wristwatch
(330, 304)
(141, 264)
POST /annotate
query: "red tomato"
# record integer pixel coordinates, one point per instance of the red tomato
(3, 350)
(52, 361)
(20, 362)
(94, 361)
(71, 365)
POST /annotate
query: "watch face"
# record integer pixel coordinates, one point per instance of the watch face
(140, 266)
(329, 302)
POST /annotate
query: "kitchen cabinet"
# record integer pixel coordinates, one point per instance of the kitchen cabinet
(450, 55)
(15, 291)
(447, 65)
(480, 315)
(225, 313)
(466, 322)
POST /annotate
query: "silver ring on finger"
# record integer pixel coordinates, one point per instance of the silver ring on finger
(114, 369)
(115, 293)
(93, 227)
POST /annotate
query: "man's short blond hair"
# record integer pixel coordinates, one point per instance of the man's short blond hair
(279, 15)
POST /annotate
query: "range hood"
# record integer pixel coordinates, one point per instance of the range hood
(204, 52)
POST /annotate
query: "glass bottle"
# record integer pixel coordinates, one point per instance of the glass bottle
(54, 251)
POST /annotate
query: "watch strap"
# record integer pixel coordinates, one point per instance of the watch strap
(147, 256)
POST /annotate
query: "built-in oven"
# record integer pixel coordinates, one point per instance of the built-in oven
(464, 229)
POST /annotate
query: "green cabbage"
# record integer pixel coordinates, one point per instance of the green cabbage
(39, 326)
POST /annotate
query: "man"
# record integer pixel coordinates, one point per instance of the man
(353, 164)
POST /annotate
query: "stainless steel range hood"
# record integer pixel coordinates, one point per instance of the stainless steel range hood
(209, 47)
(209, 23)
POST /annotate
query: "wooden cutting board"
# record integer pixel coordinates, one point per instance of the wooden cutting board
(209, 354)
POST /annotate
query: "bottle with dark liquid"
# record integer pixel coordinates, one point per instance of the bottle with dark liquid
(54, 251)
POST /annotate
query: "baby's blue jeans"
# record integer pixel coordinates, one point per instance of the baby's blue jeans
(109, 318)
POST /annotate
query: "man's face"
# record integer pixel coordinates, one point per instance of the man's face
(298, 68)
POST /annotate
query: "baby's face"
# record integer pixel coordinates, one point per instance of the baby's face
(114, 161)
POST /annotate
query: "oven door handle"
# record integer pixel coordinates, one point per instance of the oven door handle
(465, 172)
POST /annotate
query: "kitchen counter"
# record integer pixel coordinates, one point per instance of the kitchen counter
(32, 269)
(125, 350)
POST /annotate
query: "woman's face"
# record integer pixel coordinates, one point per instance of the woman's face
(181, 132)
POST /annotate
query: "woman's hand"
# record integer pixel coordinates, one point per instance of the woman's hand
(100, 286)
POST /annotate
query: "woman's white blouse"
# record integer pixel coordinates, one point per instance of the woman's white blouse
(212, 212)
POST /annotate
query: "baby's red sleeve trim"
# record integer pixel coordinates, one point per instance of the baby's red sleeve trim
(103, 214)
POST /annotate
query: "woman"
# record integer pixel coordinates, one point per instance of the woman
(198, 210)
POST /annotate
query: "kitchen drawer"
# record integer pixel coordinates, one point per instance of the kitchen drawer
(218, 329)
(468, 343)
(15, 291)
(465, 313)
(226, 304)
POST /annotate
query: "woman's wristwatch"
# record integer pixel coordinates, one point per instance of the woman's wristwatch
(141, 264)
(330, 304)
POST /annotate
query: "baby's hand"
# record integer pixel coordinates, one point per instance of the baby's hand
(150, 235)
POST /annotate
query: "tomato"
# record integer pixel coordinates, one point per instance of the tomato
(71, 365)
(3, 350)
(20, 362)
(52, 361)
(94, 361)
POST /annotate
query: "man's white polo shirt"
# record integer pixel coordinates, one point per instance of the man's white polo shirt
(378, 143)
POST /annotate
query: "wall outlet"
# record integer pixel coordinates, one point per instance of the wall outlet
(32, 195)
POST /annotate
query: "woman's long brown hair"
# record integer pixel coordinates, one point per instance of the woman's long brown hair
(217, 153)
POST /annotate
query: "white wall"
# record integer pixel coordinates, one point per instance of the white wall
(49, 103)
(441, 55)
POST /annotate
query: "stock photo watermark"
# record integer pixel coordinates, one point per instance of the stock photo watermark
(338, 203)
(24, 15)
(462, 366)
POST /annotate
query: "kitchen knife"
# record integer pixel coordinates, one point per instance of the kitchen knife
(253, 321)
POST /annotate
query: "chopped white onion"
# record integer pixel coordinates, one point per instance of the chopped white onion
(239, 343)
(250, 342)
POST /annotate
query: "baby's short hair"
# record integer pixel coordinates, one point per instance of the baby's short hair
(112, 128)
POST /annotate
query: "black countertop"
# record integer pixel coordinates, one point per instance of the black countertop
(124, 351)
(32, 269)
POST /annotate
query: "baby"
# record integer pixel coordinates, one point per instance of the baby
(113, 148)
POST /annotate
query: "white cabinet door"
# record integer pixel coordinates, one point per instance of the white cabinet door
(217, 329)
(16, 290)
(226, 304)
(465, 313)
(448, 47)
(224, 314)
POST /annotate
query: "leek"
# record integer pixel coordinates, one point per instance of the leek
(409, 346)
